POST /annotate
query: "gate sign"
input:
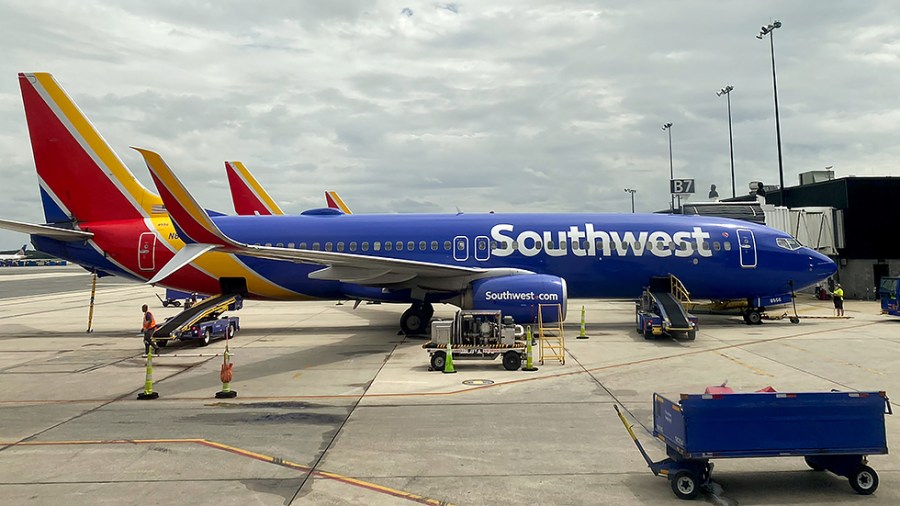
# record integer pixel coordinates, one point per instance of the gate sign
(681, 186)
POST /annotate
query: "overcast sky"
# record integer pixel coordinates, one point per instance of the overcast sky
(412, 106)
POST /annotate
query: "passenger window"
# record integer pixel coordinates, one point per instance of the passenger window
(329, 246)
(650, 246)
(460, 245)
(388, 245)
(550, 244)
(515, 244)
(365, 246)
(411, 245)
(268, 245)
(600, 245)
(340, 246)
(422, 245)
(353, 246)
(291, 245)
(446, 245)
(481, 245)
(315, 246)
(727, 246)
(399, 246)
(279, 244)
(717, 246)
(302, 245)
(434, 245)
(376, 245)
(538, 244)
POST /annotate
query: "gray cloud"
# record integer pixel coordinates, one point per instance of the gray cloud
(506, 106)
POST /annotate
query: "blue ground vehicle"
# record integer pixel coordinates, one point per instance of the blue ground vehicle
(210, 328)
(888, 292)
(833, 431)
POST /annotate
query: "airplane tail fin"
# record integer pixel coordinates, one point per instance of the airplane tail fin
(81, 178)
(248, 195)
(193, 222)
(335, 202)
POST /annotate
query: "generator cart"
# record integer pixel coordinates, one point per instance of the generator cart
(477, 335)
(833, 431)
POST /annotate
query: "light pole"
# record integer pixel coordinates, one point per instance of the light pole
(668, 127)
(727, 92)
(767, 30)
(632, 192)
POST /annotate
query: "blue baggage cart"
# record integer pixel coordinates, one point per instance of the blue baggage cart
(833, 431)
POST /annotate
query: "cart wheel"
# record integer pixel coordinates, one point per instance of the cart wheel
(177, 303)
(230, 330)
(812, 465)
(685, 486)
(512, 360)
(438, 359)
(165, 303)
(795, 319)
(690, 335)
(207, 337)
(754, 317)
(864, 481)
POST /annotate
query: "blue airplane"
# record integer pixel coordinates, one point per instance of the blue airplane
(99, 216)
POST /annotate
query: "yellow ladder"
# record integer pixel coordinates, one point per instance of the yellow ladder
(679, 291)
(553, 341)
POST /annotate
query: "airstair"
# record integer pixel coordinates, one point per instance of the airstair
(553, 341)
(172, 327)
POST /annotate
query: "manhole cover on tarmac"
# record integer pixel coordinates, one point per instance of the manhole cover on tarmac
(478, 382)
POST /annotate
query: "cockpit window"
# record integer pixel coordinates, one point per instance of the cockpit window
(788, 243)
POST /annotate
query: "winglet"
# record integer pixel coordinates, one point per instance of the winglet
(248, 195)
(335, 202)
(193, 222)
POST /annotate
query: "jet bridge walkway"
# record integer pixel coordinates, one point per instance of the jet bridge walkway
(660, 310)
(173, 327)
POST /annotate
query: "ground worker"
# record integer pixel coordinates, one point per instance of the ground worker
(838, 300)
(148, 327)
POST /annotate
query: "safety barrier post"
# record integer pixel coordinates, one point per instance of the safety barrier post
(529, 363)
(226, 376)
(448, 360)
(91, 310)
(148, 393)
(582, 335)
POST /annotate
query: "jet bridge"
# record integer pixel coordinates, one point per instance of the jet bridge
(211, 307)
(661, 310)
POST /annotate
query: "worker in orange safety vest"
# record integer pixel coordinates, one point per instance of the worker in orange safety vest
(148, 327)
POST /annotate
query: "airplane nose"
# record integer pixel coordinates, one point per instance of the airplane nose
(820, 266)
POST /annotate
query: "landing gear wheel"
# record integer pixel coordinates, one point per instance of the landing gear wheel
(813, 465)
(753, 317)
(207, 337)
(512, 360)
(429, 312)
(438, 360)
(414, 321)
(864, 480)
(685, 485)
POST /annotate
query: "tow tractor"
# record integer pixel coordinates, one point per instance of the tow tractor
(477, 335)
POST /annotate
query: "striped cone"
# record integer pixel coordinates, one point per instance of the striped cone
(529, 363)
(448, 360)
(148, 393)
(582, 335)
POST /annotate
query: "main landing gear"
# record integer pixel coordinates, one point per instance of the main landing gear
(414, 320)
(753, 316)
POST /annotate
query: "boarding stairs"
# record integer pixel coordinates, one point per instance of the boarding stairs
(670, 295)
(174, 326)
(552, 338)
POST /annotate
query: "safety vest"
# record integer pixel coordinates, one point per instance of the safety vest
(839, 293)
(149, 321)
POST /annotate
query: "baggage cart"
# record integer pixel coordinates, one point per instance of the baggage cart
(833, 431)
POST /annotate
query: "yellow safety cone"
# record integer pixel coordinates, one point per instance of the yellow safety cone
(148, 393)
(581, 335)
(448, 360)
(529, 363)
(225, 375)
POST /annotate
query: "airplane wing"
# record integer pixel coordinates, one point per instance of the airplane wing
(60, 234)
(196, 226)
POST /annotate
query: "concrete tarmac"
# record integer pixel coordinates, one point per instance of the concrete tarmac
(335, 408)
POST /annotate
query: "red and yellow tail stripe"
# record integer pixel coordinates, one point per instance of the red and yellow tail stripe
(248, 195)
(335, 202)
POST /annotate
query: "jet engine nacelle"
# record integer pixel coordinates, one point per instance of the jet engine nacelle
(518, 296)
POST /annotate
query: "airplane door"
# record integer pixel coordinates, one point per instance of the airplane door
(147, 251)
(460, 248)
(747, 243)
(482, 248)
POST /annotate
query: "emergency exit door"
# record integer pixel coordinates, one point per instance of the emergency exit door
(147, 251)
(747, 244)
